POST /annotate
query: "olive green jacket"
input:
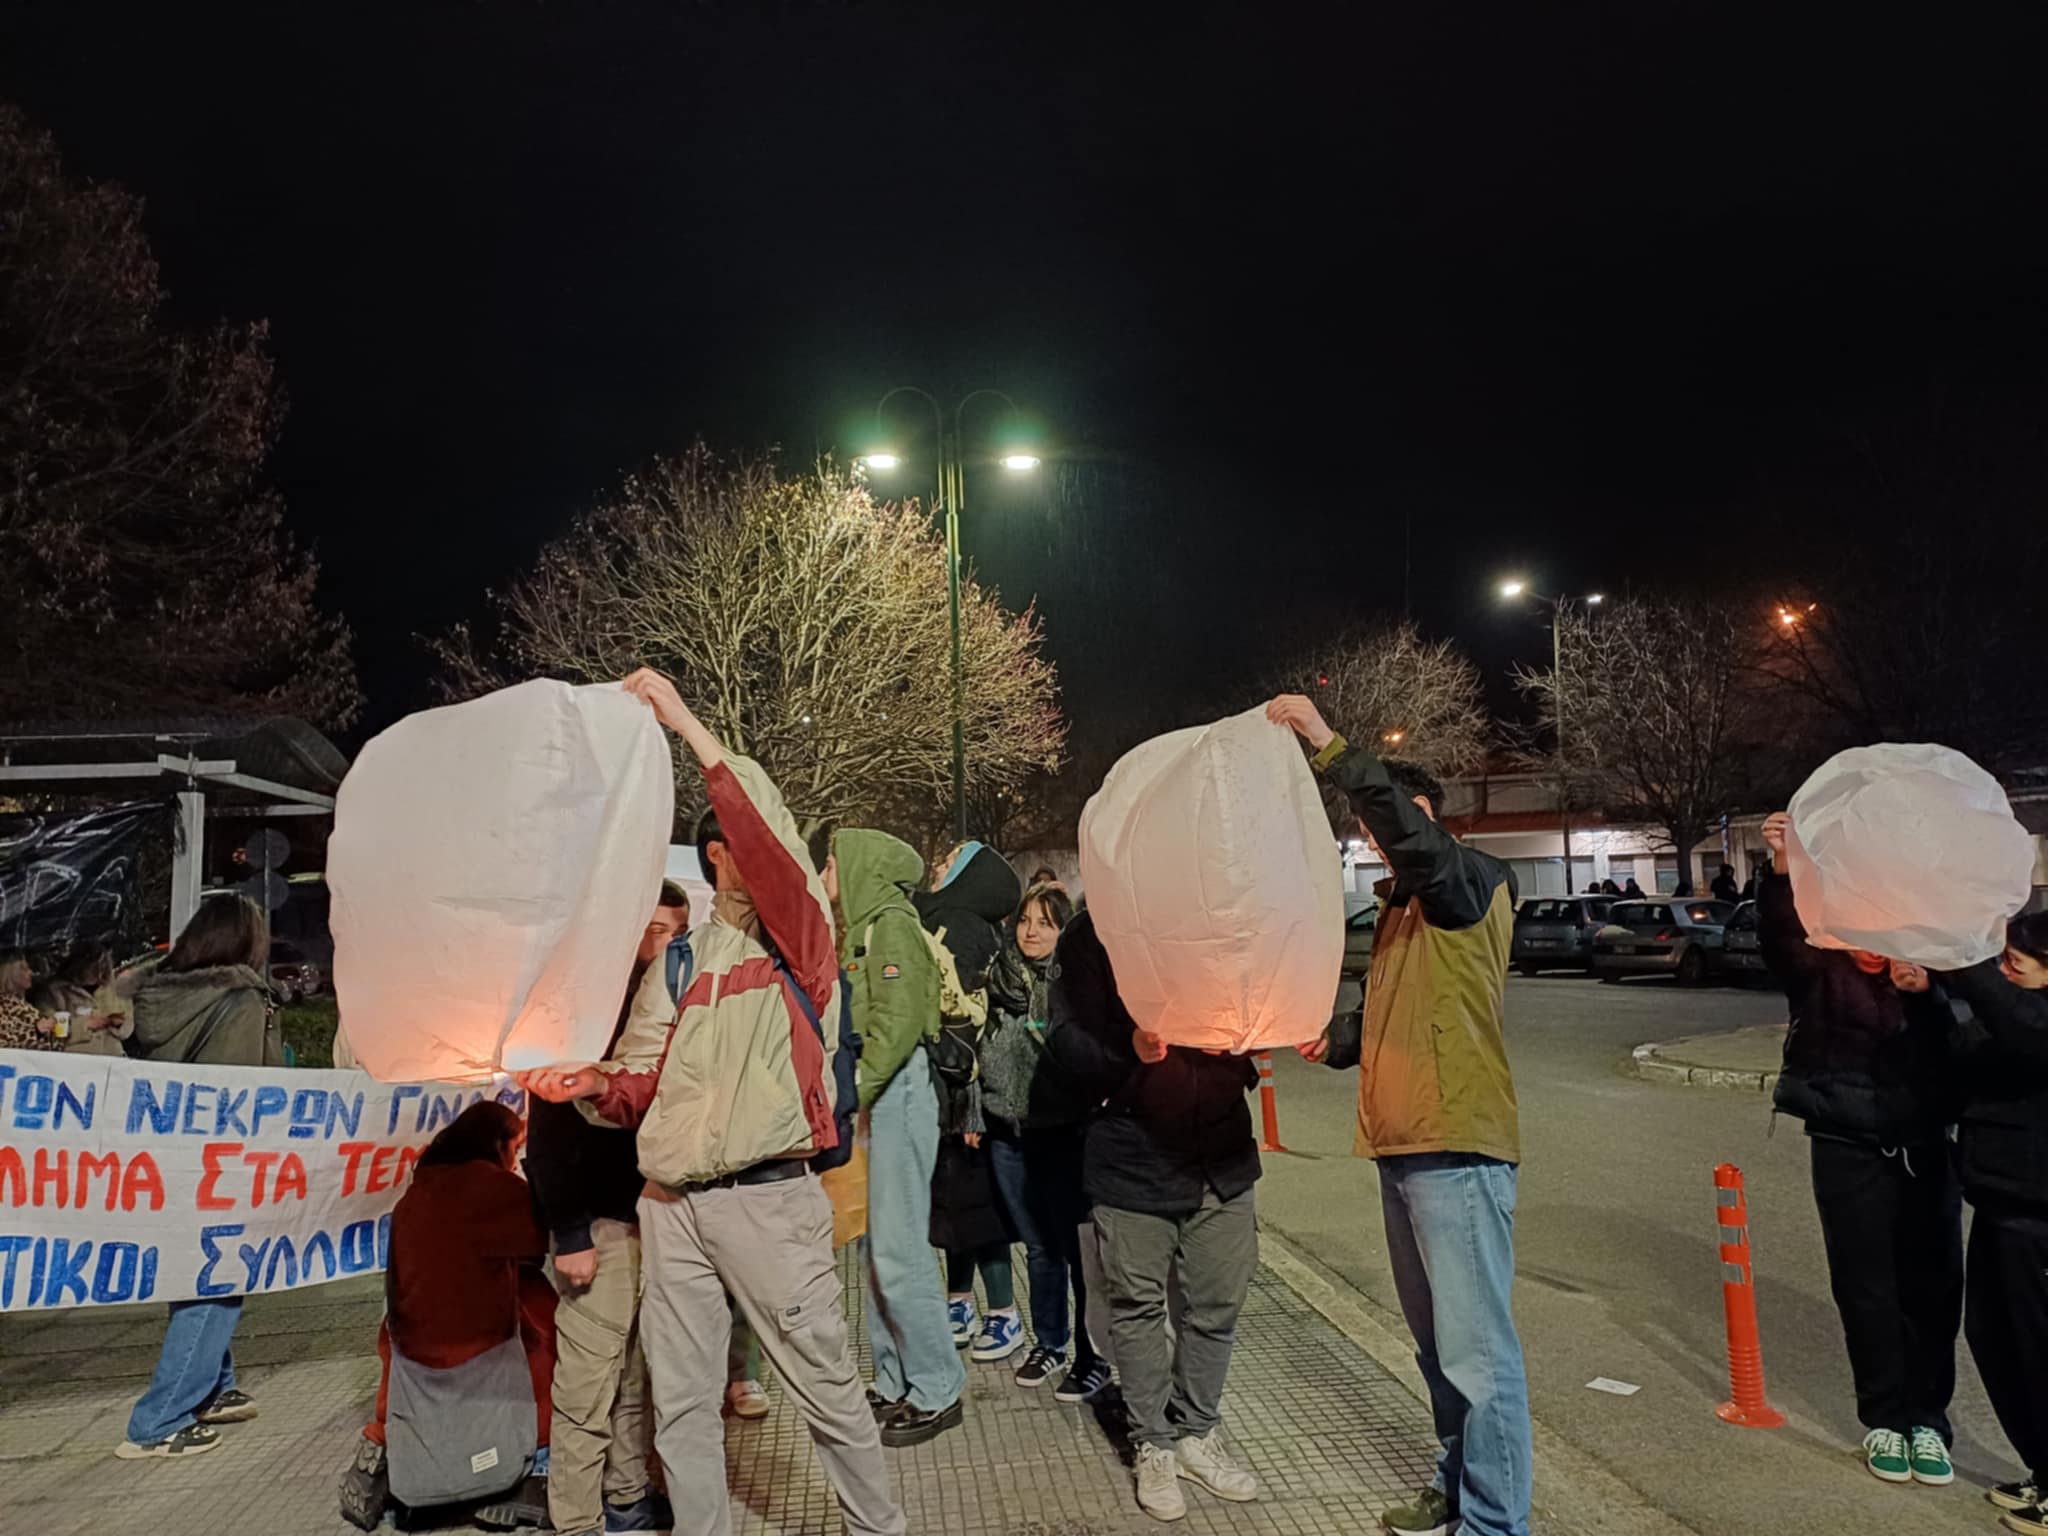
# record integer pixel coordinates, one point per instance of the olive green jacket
(1433, 1061)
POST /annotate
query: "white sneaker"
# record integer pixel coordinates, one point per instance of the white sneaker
(1204, 1459)
(1159, 1484)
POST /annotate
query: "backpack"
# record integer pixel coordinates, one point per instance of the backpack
(845, 1065)
(954, 1041)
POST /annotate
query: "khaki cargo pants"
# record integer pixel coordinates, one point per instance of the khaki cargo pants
(602, 1426)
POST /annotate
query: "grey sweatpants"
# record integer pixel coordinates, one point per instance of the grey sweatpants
(1174, 1386)
(770, 1245)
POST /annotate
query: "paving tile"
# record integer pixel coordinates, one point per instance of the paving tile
(1334, 1439)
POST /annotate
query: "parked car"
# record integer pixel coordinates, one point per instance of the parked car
(1742, 955)
(1666, 935)
(1556, 932)
(1361, 921)
(293, 973)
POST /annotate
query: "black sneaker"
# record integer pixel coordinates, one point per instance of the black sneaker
(2026, 1522)
(884, 1409)
(365, 1487)
(229, 1407)
(914, 1426)
(2024, 1494)
(525, 1505)
(192, 1440)
(1084, 1383)
(1039, 1367)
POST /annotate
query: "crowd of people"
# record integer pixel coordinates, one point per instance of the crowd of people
(1920, 1091)
(937, 1066)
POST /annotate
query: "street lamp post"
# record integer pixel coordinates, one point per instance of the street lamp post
(951, 480)
(1511, 590)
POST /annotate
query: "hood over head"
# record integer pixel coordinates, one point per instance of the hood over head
(875, 871)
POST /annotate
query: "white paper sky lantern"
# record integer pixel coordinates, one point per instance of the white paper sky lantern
(1215, 887)
(493, 865)
(1910, 851)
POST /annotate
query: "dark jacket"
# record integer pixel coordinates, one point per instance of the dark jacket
(1021, 1085)
(216, 1016)
(1863, 1060)
(1433, 1048)
(980, 894)
(2003, 1132)
(1166, 1132)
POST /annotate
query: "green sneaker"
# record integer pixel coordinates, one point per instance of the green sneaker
(1430, 1515)
(1884, 1452)
(1929, 1458)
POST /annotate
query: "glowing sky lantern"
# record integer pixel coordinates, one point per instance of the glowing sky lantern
(493, 865)
(1214, 883)
(1910, 851)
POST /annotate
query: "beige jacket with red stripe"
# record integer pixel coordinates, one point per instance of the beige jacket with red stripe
(745, 1076)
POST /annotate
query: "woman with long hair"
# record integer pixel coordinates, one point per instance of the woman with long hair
(1037, 1118)
(464, 1280)
(205, 1004)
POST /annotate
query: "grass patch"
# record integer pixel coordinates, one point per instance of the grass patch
(308, 1027)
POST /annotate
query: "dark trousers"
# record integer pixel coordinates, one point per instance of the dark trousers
(1038, 1174)
(2008, 1327)
(1893, 1225)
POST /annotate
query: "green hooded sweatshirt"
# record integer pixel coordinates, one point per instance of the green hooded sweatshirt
(882, 944)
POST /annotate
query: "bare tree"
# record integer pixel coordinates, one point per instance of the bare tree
(1647, 691)
(804, 620)
(144, 566)
(1392, 691)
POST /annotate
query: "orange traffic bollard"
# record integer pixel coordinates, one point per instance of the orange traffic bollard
(1746, 1405)
(1269, 1107)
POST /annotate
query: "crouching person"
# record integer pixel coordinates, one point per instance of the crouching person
(1169, 1165)
(468, 1340)
(742, 1099)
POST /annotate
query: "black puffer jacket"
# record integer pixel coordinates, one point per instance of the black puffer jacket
(1863, 1060)
(2003, 1135)
(1167, 1131)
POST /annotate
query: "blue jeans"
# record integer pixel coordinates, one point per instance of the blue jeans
(196, 1365)
(1450, 1238)
(1038, 1176)
(912, 1341)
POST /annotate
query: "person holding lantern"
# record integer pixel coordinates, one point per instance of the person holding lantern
(1867, 1069)
(731, 1203)
(1169, 1165)
(1436, 1111)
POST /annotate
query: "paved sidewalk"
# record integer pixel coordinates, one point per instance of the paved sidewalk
(1746, 1059)
(1334, 1439)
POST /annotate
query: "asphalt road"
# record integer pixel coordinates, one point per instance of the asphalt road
(1618, 1273)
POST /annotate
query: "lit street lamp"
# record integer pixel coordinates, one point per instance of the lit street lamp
(951, 480)
(1511, 589)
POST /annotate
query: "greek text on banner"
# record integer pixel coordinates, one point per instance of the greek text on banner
(127, 1181)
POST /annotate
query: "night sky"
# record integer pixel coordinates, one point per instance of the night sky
(1597, 292)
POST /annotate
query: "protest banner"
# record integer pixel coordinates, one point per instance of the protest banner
(67, 879)
(127, 1181)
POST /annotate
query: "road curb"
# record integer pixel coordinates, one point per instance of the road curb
(1663, 1061)
(1574, 1493)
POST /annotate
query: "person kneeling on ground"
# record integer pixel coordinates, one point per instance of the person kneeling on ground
(1169, 1165)
(468, 1338)
(1867, 1070)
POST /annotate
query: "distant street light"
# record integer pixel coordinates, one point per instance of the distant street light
(1511, 589)
(952, 486)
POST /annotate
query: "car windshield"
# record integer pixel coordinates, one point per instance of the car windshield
(1709, 911)
(1549, 911)
(1744, 917)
